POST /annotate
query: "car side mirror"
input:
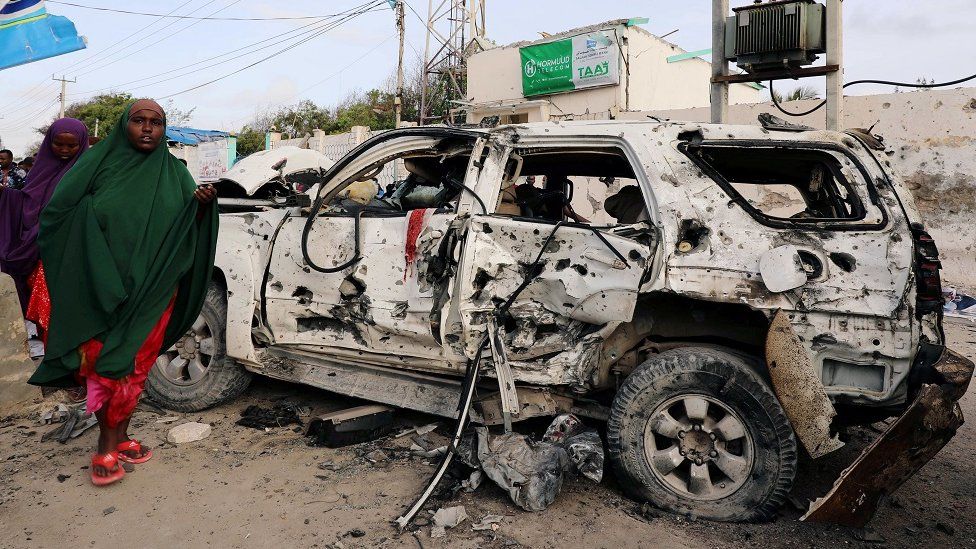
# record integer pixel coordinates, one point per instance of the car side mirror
(782, 269)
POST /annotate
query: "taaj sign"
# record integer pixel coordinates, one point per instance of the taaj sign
(583, 61)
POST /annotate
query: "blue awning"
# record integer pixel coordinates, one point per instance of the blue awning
(192, 136)
(28, 33)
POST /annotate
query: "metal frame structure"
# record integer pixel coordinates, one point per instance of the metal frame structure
(833, 69)
(451, 26)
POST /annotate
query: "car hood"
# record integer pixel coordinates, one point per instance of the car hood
(256, 170)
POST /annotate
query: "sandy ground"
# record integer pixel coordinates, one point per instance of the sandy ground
(247, 488)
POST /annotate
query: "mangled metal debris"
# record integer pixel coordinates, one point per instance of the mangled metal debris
(532, 472)
(910, 442)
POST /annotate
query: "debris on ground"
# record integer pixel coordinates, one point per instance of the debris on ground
(447, 517)
(350, 426)
(171, 419)
(421, 452)
(279, 415)
(188, 432)
(530, 471)
(58, 414)
(473, 481)
(489, 522)
(419, 430)
(584, 446)
(957, 303)
(63, 477)
(75, 422)
(108, 511)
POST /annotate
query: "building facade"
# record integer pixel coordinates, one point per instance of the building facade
(594, 72)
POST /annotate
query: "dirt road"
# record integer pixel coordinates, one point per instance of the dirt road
(247, 488)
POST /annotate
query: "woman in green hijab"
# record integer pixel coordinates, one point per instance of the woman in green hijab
(127, 246)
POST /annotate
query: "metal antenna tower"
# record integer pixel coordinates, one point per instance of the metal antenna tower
(451, 26)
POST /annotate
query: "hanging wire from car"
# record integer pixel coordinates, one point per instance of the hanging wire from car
(820, 105)
(473, 370)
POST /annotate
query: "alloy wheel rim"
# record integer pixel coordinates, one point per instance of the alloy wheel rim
(188, 360)
(698, 447)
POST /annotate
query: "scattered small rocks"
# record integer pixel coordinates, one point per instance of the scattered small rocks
(108, 511)
(355, 533)
(947, 529)
(62, 477)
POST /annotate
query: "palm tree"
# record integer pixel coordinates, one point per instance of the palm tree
(799, 93)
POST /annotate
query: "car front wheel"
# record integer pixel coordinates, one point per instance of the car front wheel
(196, 373)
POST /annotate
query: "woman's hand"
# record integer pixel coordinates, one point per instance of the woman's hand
(205, 194)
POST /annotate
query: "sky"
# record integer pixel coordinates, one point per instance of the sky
(891, 39)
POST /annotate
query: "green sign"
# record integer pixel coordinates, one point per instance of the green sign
(582, 61)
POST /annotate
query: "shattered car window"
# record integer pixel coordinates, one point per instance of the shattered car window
(786, 184)
(595, 186)
(426, 182)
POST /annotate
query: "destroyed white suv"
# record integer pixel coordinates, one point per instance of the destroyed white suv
(715, 293)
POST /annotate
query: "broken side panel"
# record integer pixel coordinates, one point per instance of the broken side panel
(382, 304)
(581, 283)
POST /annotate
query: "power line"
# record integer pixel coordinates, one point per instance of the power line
(818, 106)
(279, 52)
(207, 18)
(88, 67)
(235, 121)
(298, 33)
(155, 42)
(138, 32)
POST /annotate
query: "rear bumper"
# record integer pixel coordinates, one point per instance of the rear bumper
(912, 440)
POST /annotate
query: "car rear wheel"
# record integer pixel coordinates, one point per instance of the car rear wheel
(196, 373)
(697, 432)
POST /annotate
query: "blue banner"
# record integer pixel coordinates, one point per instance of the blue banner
(28, 33)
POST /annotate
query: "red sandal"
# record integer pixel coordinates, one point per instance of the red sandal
(135, 447)
(110, 463)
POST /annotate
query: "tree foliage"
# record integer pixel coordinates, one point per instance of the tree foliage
(373, 108)
(798, 94)
(105, 110)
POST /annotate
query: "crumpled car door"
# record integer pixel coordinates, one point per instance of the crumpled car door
(582, 278)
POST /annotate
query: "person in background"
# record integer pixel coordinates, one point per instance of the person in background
(20, 210)
(26, 164)
(10, 175)
(127, 247)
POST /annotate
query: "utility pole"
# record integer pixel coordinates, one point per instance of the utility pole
(64, 92)
(398, 101)
(719, 94)
(835, 56)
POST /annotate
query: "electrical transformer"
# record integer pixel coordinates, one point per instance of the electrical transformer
(783, 34)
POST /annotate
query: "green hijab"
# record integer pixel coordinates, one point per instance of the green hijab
(121, 234)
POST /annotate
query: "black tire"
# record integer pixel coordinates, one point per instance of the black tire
(225, 379)
(723, 379)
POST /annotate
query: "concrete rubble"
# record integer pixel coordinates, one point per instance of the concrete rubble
(188, 432)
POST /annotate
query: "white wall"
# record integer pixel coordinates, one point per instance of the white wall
(494, 77)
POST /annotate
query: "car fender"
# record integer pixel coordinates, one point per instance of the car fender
(242, 255)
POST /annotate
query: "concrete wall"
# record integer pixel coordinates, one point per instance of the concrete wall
(931, 138)
(15, 366)
(647, 82)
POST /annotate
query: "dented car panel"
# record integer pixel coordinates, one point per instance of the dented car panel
(243, 251)
(822, 305)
